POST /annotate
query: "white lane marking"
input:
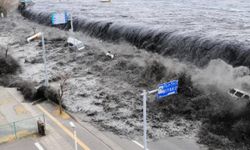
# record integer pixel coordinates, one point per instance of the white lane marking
(137, 143)
(39, 146)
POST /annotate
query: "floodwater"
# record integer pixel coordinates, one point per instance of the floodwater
(107, 90)
(224, 19)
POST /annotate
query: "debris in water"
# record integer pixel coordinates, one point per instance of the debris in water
(75, 44)
(109, 54)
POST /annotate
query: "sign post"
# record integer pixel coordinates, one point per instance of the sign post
(145, 96)
(164, 90)
(71, 22)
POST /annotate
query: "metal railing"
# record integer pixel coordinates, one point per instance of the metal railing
(20, 128)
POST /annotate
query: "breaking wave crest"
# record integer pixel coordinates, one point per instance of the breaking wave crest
(195, 49)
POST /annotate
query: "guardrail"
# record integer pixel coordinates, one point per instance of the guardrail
(20, 128)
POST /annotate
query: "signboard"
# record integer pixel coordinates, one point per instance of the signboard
(59, 18)
(25, 1)
(167, 89)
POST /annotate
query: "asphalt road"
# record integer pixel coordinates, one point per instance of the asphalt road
(101, 140)
(59, 134)
(27, 144)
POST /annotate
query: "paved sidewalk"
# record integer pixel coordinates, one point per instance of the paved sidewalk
(23, 144)
(14, 109)
(11, 109)
(14, 116)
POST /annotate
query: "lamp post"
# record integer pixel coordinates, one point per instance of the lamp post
(71, 22)
(45, 61)
(41, 35)
(74, 128)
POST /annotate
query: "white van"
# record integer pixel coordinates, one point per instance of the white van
(239, 94)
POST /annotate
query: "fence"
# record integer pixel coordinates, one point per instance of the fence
(19, 129)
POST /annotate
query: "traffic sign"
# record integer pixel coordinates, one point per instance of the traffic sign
(163, 90)
(59, 18)
(25, 1)
(167, 89)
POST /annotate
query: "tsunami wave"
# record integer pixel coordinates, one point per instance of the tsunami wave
(192, 48)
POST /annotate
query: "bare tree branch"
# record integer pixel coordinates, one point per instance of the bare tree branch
(64, 77)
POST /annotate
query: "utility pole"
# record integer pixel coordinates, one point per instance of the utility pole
(41, 35)
(71, 22)
(45, 61)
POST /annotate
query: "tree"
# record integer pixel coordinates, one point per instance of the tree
(64, 77)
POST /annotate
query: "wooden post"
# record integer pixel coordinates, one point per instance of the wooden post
(6, 52)
(60, 105)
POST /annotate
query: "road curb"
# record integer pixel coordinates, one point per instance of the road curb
(92, 130)
(95, 132)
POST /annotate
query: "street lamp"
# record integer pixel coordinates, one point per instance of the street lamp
(74, 128)
(41, 35)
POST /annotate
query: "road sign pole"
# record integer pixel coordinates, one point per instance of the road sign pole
(145, 95)
(45, 61)
(71, 22)
(163, 90)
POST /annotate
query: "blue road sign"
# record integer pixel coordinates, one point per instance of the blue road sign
(167, 89)
(59, 18)
(25, 1)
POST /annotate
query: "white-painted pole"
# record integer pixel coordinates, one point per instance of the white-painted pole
(75, 139)
(145, 95)
(71, 22)
(45, 61)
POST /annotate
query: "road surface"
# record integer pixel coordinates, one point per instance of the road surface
(60, 136)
